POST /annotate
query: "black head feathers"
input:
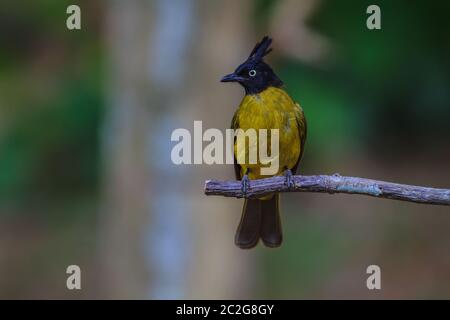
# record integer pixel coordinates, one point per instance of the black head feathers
(254, 74)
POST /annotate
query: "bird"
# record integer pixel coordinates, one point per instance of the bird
(265, 105)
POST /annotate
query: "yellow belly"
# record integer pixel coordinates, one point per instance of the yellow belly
(271, 109)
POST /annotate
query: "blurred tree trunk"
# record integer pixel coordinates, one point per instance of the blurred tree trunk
(124, 142)
(161, 237)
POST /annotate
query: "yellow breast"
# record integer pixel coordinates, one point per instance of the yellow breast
(272, 109)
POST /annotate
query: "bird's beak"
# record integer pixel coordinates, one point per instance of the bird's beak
(232, 77)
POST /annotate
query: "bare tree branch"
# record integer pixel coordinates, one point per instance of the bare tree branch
(331, 184)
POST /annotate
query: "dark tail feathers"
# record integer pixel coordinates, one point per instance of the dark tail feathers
(260, 219)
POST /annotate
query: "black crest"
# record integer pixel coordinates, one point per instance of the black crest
(261, 49)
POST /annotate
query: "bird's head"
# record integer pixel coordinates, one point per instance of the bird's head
(254, 74)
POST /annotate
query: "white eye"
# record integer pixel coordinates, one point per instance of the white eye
(252, 73)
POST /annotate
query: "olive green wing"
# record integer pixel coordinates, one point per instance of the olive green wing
(302, 129)
(234, 126)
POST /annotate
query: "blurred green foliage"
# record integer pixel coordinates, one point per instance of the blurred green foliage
(51, 105)
(401, 73)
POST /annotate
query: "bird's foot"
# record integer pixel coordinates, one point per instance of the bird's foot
(245, 184)
(289, 181)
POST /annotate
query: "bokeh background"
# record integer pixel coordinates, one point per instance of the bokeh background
(85, 171)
